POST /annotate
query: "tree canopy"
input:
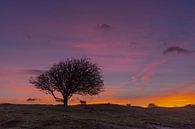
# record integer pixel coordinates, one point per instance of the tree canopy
(69, 77)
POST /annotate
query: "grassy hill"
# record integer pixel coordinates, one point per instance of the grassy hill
(101, 116)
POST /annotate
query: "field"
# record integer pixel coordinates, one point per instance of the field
(101, 116)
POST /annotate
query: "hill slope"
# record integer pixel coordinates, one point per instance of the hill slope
(103, 116)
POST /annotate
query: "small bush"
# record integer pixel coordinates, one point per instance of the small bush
(82, 102)
(151, 105)
(190, 105)
(128, 105)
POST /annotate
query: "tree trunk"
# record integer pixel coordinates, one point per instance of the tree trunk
(65, 101)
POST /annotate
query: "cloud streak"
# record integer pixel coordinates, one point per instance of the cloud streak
(34, 71)
(104, 27)
(147, 72)
(176, 49)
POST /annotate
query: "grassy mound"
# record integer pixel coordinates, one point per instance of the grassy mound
(101, 116)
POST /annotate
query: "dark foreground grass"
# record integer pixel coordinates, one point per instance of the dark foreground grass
(103, 116)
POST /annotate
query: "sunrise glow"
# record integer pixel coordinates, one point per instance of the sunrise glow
(146, 50)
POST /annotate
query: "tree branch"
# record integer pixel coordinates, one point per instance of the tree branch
(56, 98)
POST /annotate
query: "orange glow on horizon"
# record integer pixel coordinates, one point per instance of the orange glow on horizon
(177, 100)
(163, 101)
(169, 100)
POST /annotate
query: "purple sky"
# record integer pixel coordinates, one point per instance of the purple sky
(126, 38)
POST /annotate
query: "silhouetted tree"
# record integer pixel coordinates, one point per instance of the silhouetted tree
(73, 76)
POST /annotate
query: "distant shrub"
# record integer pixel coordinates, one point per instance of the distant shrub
(190, 105)
(128, 105)
(59, 100)
(151, 105)
(32, 99)
(82, 102)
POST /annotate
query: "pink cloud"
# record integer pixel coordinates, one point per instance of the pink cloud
(146, 73)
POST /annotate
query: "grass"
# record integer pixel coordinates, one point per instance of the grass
(101, 116)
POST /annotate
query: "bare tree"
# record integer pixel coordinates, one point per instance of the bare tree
(72, 76)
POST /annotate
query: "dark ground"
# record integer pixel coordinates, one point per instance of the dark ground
(102, 116)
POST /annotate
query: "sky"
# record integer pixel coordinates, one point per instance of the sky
(146, 48)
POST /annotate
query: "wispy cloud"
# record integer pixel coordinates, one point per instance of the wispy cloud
(147, 72)
(34, 71)
(104, 26)
(176, 49)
